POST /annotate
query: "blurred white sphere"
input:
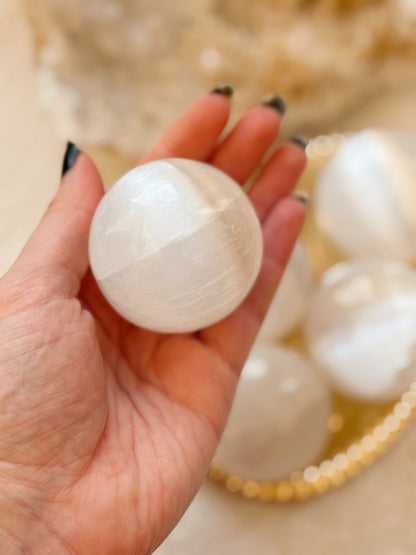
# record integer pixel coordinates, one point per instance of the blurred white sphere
(175, 245)
(289, 303)
(366, 196)
(279, 420)
(361, 328)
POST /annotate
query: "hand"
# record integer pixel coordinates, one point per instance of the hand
(107, 430)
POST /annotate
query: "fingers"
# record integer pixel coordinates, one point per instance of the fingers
(280, 233)
(195, 133)
(58, 248)
(282, 220)
(233, 337)
(277, 178)
(243, 149)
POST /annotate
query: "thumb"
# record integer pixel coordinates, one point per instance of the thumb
(58, 248)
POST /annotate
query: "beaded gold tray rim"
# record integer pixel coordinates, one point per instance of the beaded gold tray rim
(333, 472)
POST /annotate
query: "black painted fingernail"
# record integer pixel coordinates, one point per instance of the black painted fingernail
(299, 140)
(71, 154)
(277, 103)
(225, 90)
(301, 197)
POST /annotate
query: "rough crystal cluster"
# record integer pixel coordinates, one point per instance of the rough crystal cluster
(116, 72)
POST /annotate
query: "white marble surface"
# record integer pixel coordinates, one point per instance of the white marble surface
(372, 515)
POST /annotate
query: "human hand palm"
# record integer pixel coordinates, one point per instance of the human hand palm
(111, 428)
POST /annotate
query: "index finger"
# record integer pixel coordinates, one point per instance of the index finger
(195, 133)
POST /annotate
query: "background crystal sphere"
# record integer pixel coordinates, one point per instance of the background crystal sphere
(175, 245)
(289, 303)
(279, 420)
(361, 328)
(365, 198)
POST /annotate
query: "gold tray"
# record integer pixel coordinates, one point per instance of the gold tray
(360, 432)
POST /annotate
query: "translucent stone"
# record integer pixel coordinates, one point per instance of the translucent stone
(289, 304)
(361, 328)
(175, 245)
(366, 196)
(278, 423)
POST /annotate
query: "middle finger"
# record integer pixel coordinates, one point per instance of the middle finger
(242, 150)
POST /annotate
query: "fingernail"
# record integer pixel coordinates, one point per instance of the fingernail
(277, 103)
(300, 140)
(301, 197)
(71, 154)
(226, 90)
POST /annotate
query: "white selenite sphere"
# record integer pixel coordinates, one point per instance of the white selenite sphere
(366, 196)
(289, 303)
(279, 420)
(361, 328)
(175, 245)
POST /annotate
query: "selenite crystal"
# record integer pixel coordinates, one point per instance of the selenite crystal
(175, 245)
(278, 423)
(361, 328)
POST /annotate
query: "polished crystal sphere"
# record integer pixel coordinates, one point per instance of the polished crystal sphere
(365, 198)
(279, 420)
(175, 245)
(361, 328)
(289, 303)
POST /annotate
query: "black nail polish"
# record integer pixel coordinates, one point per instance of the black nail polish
(71, 154)
(226, 90)
(301, 197)
(301, 141)
(277, 103)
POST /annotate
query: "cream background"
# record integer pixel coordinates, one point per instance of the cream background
(374, 514)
